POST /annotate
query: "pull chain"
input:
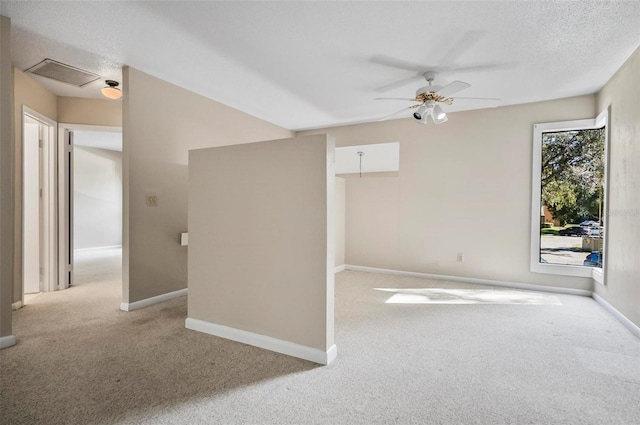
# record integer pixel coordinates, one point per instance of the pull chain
(360, 155)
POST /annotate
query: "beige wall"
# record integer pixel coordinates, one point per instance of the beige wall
(463, 187)
(622, 253)
(340, 220)
(260, 258)
(29, 93)
(102, 112)
(6, 178)
(161, 122)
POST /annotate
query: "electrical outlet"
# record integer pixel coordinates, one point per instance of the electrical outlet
(460, 257)
(152, 200)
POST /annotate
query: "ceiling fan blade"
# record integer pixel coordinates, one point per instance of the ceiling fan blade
(464, 44)
(452, 88)
(396, 98)
(476, 98)
(485, 67)
(398, 84)
(395, 113)
(486, 101)
(398, 63)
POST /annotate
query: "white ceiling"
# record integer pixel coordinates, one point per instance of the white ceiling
(310, 64)
(98, 139)
(376, 158)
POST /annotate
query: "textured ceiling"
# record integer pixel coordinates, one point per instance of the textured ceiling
(314, 64)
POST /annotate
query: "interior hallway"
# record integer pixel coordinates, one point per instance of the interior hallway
(546, 359)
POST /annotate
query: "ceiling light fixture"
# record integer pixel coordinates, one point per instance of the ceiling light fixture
(438, 113)
(440, 120)
(439, 116)
(430, 109)
(421, 112)
(111, 90)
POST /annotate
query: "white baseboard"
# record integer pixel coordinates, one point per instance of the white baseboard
(97, 248)
(262, 341)
(615, 313)
(338, 269)
(153, 300)
(7, 341)
(489, 282)
(16, 305)
(332, 353)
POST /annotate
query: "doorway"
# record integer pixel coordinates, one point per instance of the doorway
(38, 200)
(90, 185)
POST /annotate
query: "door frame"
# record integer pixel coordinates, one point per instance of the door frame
(49, 233)
(65, 195)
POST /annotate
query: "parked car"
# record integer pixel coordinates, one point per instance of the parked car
(589, 223)
(594, 259)
(595, 231)
(573, 231)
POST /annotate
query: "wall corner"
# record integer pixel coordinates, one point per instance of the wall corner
(7, 160)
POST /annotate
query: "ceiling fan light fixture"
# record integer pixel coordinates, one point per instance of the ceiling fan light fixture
(438, 113)
(421, 113)
(437, 120)
(425, 117)
(111, 90)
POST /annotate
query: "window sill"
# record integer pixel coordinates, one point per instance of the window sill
(595, 273)
(562, 269)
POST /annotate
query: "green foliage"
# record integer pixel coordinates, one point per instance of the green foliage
(573, 174)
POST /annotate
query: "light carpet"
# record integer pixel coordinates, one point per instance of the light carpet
(80, 360)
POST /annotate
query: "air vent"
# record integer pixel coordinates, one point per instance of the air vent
(62, 72)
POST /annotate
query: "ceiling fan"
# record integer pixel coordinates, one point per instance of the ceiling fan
(429, 97)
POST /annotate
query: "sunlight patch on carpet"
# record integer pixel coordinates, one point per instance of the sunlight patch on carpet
(467, 296)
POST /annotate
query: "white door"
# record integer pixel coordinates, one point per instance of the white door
(39, 232)
(32, 252)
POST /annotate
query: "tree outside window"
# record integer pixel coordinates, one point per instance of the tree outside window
(572, 190)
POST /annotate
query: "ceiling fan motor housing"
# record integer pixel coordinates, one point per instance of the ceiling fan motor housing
(427, 89)
(429, 93)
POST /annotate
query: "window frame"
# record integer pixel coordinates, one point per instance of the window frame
(596, 273)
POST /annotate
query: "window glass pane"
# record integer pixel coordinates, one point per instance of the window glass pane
(572, 197)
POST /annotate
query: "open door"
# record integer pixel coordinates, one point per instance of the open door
(70, 157)
(32, 206)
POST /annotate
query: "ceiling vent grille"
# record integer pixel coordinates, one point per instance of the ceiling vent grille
(62, 72)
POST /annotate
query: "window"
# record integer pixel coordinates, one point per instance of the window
(568, 204)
